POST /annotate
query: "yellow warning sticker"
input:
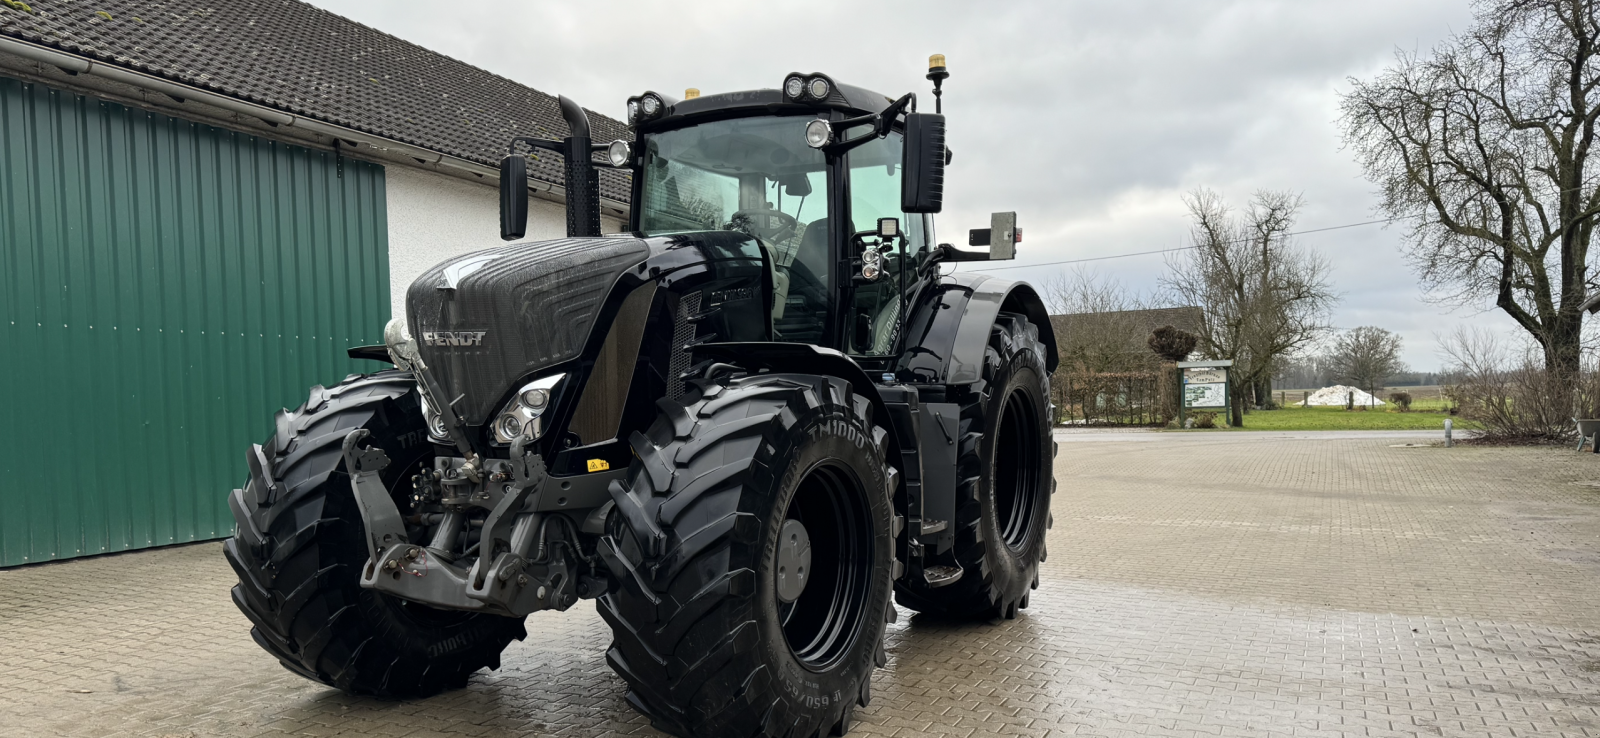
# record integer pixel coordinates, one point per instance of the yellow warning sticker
(599, 465)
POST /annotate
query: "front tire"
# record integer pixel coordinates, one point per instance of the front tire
(709, 631)
(299, 547)
(1005, 481)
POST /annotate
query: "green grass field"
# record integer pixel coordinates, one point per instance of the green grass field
(1427, 413)
(1337, 418)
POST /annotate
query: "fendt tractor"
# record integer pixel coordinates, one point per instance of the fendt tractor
(742, 427)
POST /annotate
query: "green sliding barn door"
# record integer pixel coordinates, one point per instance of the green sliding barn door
(165, 286)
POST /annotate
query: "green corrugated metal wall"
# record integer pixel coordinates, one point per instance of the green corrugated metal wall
(165, 286)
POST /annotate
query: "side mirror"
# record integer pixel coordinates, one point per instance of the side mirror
(513, 197)
(922, 181)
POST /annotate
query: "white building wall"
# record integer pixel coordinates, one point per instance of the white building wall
(433, 217)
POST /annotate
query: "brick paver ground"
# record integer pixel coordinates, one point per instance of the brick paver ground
(1202, 585)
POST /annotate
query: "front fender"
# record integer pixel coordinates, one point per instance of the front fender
(949, 328)
(801, 358)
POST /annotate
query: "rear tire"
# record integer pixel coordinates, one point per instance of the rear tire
(1004, 482)
(699, 632)
(299, 547)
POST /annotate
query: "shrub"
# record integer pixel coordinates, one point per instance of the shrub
(1172, 344)
(1205, 420)
(1401, 400)
(1513, 397)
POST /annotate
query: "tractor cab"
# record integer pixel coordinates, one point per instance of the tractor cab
(816, 174)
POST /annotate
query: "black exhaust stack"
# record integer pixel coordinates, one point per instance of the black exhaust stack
(582, 181)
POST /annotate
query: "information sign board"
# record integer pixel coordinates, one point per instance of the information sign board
(1205, 387)
(1210, 394)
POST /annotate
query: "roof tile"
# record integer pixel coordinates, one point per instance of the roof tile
(303, 60)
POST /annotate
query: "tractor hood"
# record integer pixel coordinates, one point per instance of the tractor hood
(486, 319)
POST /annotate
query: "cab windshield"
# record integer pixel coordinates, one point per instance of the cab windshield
(758, 177)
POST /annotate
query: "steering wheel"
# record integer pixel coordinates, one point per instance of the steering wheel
(768, 225)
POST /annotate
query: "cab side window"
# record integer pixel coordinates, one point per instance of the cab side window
(875, 181)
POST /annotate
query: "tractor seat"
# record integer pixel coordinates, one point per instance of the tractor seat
(813, 249)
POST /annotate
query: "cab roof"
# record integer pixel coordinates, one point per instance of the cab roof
(847, 98)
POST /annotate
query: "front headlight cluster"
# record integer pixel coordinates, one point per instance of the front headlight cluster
(524, 415)
(807, 88)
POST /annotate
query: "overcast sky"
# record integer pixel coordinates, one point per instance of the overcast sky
(1091, 119)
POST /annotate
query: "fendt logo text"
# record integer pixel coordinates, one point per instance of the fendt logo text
(453, 338)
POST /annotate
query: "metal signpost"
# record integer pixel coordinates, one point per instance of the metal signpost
(1205, 386)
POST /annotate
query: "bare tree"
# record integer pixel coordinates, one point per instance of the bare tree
(1098, 329)
(1366, 357)
(1486, 142)
(1262, 297)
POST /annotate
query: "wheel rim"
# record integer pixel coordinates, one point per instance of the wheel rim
(1016, 470)
(822, 622)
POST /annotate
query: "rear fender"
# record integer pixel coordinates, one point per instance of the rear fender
(949, 328)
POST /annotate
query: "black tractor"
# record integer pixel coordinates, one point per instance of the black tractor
(741, 427)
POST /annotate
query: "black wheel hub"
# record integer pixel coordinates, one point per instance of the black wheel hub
(794, 557)
(823, 571)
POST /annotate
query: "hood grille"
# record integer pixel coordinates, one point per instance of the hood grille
(534, 305)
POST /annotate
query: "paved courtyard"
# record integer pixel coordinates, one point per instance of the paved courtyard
(1225, 584)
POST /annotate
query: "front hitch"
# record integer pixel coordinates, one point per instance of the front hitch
(510, 571)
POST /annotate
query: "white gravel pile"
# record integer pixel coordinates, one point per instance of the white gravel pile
(1336, 396)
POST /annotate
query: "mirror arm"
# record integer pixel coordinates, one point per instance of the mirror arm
(886, 118)
(949, 253)
(881, 124)
(535, 143)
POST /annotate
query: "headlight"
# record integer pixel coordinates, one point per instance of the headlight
(510, 426)
(818, 133)
(617, 153)
(818, 87)
(650, 105)
(794, 87)
(633, 111)
(523, 416)
(535, 399)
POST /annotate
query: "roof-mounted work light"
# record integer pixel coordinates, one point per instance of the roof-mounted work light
(618, 152)
(807, 88)
(647, 107)
(819, 133)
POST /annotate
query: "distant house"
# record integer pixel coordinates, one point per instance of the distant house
(202, 204)
(1115, 341)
